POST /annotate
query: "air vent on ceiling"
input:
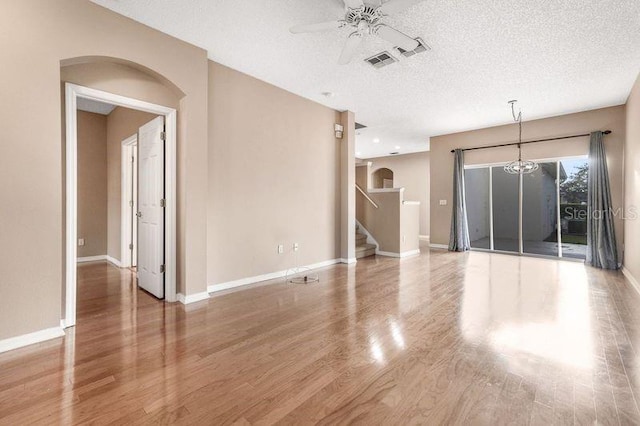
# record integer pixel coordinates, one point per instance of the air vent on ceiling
(394, 153)
(360, 126)
(422, 47)
(381, 60)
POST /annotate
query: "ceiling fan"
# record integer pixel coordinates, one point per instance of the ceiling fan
(365, 19)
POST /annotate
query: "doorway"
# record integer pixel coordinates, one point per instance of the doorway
(160, 168)
(537, 214)
(129, 202)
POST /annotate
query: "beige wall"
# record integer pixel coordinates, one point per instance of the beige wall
(273, 178)
(36, 36)
(584, 122)
(92, 183)
(121, 124)
(411, 172)
(632, 183)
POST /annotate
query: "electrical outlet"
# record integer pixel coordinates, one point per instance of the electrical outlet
(296, 246)
(443, 202)
(280, 249)
(81, 242)
(404, 238)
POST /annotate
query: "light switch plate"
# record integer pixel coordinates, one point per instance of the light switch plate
(280, 249)
(81, 242)
(443, 202)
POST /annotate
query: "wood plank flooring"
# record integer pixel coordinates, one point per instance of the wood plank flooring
(439, 338)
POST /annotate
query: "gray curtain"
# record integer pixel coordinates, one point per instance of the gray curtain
(602, 250)
(459, 238)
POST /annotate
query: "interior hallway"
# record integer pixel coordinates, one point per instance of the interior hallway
(441, 337)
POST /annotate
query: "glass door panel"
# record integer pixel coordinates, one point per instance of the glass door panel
(505, 194)
(540, 211)
(573, 207)
(477, 195)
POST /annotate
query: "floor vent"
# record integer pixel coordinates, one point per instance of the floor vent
(381, 60)
(422, 47)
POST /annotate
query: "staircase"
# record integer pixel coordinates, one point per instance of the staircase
(362, 248)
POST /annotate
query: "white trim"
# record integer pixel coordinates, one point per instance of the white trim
(364, 163)
(398, 255)
(631, 278)
(423, 237)
(102, 257)
(126, 195)
(411, 203)
(30, 339)
(192, 298)
(72, 93)
(439, 246)
(114, 261)
(348, 261)
(374, 190)
(266, 277)
(91, 258)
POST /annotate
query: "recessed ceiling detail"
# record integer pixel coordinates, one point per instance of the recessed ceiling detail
(556, 57)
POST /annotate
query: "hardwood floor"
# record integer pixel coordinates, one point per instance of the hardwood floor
(440, 338)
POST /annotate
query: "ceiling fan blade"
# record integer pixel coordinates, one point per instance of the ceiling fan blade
(350, 48)
(354, 4)
(317, 28)
(395, 6)
(396, 38)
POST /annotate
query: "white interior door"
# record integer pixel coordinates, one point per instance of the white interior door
(134, 203)
(150, 214)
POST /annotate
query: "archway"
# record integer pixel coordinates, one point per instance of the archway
(383, 178)
(120, 83)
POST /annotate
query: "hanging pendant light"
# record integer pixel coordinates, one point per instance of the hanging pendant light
(520, 167)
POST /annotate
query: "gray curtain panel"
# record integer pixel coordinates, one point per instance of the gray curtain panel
(602, 250)
(459, 238)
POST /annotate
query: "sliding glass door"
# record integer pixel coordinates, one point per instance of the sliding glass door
(542, 213)
(506, 211)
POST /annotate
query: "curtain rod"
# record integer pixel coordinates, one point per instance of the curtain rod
(605, 132)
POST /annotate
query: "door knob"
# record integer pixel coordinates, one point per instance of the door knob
(139, 214)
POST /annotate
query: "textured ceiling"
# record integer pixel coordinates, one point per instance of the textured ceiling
(90, 105)
(556, 57)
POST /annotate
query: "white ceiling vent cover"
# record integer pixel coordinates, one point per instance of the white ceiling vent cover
(422, 47)
(381, 60)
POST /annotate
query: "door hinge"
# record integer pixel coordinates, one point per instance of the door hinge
(163, 203)
(130, 246)
(162, 269)
(163, 136)
(131, 203)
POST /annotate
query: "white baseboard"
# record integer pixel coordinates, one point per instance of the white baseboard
(108, 258)
(114, 261)
(423, 237)
(30, 339)
(192, 298)
(265, 277)
(92, 258)
(439, 246)
(631, 278)
(398, 255)
(348, 261)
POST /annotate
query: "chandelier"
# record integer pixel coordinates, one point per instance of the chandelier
(520, 167)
